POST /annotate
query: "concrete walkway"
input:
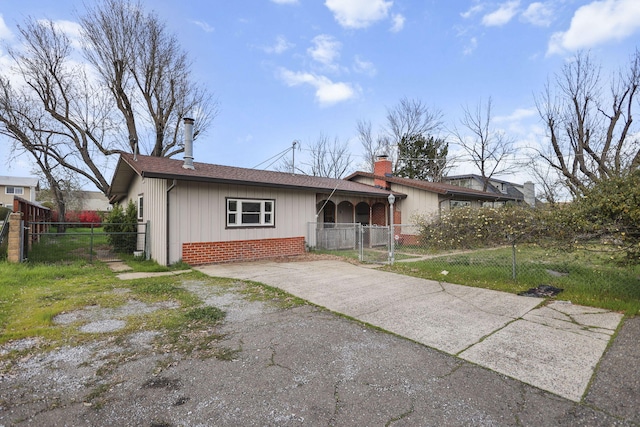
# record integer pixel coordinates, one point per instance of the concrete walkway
(555, 347)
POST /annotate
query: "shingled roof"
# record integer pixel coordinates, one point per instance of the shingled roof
(165, 168)
(435, 187)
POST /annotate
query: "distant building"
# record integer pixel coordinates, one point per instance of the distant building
(80, 200)
(521, 192)
(94, 201)
(23, 187)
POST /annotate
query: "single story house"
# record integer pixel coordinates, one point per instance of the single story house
(204, 213)
(22, 187)
(424, 197)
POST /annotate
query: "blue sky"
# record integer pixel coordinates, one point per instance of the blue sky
(285, 70)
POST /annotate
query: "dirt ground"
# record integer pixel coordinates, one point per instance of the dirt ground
(287, 367)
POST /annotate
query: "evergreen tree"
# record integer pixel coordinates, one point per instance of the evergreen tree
(422, 157)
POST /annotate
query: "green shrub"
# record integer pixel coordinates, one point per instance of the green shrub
(611, 211)
(4, 213)
(468, 228)
(122, 226)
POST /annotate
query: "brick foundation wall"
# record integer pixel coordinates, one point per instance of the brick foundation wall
(241, 250)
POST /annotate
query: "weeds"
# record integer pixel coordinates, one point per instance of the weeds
(255, 291)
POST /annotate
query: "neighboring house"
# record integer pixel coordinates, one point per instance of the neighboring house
(521, 192)
(423, 197)
(80, 200)
(12, 186)
(203, 213)
(95, 201)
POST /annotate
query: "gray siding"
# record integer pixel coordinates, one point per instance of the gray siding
(418, 203)
(155, 213)
(197, 213)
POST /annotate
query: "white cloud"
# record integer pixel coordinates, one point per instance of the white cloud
(281, 45)
(205, 27)
(596, 23)
(472, 11)
(502, 15)
(469, 48)
(327, 92)
(325, 49)
(358, 13)
(540, 14)
(71, 29)
(518, 115)
(5, 32)
(364, 67)
(398, 23)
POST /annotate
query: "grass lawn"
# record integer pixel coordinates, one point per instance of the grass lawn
(75, 243)
(589, 278)
(32, 295)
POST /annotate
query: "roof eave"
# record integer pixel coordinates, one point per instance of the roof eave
(195, 178)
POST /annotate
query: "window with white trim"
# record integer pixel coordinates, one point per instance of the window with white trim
(140, 207)
(18, 191)
(250, 213)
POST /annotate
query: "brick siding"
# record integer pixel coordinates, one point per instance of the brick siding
(241, 250)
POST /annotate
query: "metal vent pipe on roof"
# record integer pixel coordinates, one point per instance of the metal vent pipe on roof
(188, 144)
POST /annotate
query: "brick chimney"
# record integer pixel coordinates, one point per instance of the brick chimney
(381, 168)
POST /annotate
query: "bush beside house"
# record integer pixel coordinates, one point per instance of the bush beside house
(121, 225)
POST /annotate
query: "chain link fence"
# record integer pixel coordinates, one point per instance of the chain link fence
(592, 267)
(55, 241)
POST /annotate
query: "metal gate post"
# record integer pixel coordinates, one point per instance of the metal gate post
(360, 242)
(391, 199)
(147, 254)
(91, 245)
(22, 241)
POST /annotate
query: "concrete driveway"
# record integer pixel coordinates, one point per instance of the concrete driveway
(555, 347)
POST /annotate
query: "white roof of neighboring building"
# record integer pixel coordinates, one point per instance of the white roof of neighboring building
(19, 181)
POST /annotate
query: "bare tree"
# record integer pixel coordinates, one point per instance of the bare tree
(590, 134)
(549, 183)
(412, 117)
(147, 73)
(27, 136)
(409, 118)
(63, 115)
(325, 158)
(373, 146)
(68, 119)
(487, 147)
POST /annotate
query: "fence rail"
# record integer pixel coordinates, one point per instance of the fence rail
(56, 241)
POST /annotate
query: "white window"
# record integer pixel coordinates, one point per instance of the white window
(250, 213)
(140, 207)
(18, 191)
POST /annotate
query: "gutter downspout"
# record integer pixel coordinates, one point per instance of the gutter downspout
(171, 187)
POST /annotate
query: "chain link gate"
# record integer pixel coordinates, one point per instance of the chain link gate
(367, 243)
(81, 241)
